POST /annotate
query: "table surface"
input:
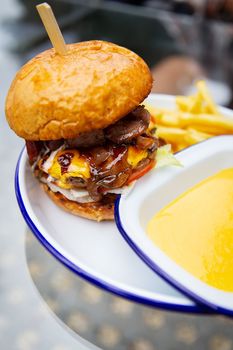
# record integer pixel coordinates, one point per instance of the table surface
(45, 306)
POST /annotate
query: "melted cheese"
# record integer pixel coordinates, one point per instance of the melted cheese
(78, 167)
(196, 230)
(135, 155)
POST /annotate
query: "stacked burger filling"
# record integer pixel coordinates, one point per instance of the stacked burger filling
(96, 166)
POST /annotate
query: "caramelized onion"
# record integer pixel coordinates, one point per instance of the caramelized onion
(145, 142)
(113, 172)
(99, 154)
(77, 182)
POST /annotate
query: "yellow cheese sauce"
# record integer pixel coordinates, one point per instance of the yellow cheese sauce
(196, 230)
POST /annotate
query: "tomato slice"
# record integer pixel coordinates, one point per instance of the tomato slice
(141, 172)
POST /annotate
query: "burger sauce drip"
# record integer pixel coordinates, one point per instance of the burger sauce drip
(109, 173)
(64, 160)
(115, 155)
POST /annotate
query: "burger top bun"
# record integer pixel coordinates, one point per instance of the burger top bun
(92, 86)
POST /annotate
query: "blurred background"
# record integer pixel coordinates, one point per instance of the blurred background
(181, 41)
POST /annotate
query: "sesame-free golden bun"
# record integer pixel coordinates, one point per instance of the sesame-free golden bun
(95, 84)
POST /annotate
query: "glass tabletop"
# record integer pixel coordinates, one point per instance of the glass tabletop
(45, 306)
(111, 322)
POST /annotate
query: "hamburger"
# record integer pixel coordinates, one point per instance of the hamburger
(87, 136)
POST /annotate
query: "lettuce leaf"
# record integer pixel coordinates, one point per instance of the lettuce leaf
(165, 157)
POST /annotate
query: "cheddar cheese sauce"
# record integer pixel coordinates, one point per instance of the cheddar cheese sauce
(196, 230)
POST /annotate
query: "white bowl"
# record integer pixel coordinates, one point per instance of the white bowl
(153, 192)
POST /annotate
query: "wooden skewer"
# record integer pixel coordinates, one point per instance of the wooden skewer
(52, 28)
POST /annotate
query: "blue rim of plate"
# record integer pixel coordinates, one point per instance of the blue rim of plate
(197, 309)
(206, 306)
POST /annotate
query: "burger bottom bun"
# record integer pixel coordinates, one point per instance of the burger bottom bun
(93, 211)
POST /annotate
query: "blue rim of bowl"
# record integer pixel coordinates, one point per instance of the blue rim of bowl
(205, 305)
(197, 309)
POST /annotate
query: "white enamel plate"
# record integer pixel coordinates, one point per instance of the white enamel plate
(96, 251)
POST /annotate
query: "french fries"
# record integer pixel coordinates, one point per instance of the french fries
(196, 118)
(171, 135)
(214, 124)
(209, 104)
